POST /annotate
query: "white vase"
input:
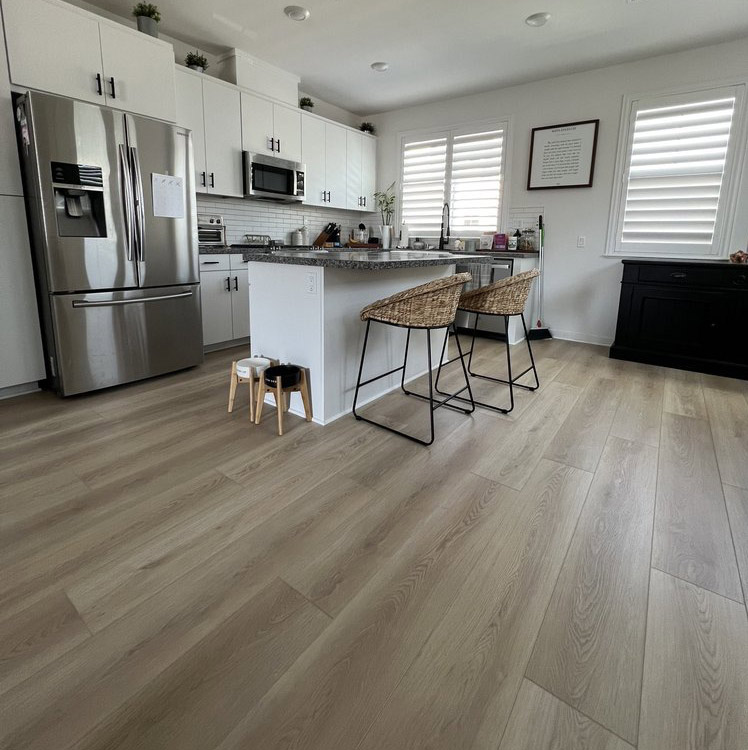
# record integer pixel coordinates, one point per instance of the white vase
(385, 233)
(148, 26)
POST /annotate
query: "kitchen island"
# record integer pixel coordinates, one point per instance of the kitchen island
(304, 309)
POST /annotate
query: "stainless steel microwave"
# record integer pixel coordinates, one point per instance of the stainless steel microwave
(271, 178)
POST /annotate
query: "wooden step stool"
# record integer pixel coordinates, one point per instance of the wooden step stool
(281, 380)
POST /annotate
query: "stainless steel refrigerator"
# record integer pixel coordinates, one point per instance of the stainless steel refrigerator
(111, 205)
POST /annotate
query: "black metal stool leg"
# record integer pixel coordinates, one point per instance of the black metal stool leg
(532, 359)
(509, 366)
(361, 369)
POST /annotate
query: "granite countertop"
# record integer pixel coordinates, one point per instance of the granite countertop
(498, 253)
(377, 260)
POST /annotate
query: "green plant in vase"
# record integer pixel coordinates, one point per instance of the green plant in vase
(148, 17)
(196, 61)
(385, 200)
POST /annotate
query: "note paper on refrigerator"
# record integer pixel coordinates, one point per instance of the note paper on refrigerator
(168, 196)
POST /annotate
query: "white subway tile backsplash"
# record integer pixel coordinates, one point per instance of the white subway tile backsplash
(256, 217)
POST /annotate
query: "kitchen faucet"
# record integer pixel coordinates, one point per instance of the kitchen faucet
(442, 240)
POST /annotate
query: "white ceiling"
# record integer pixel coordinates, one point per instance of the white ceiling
(443, 48)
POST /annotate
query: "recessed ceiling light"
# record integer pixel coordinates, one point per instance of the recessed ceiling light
(537, 19)
(380, 67)
(296, 12)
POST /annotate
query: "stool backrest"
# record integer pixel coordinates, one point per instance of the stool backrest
(432, 305)
(505, 297)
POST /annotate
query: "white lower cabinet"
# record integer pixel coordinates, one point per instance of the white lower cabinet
(225, 298)
(21, 358)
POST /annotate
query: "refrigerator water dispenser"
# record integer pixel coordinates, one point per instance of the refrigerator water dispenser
(79, 200)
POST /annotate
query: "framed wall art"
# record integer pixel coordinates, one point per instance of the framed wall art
(563, 156)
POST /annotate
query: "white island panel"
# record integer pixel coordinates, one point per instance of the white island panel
(310, 316)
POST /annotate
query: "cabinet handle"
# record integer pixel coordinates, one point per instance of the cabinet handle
(228, 283)
(278, 141)
(364, 201)
(329, 197)
(203, 179)
(271, 144)
(114, 91)
(212, 179)
(211, 262)
(99, 87)
(678, 275)
(236, 283)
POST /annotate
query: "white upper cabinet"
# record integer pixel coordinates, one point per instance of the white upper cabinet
(313, 156)
(270, 128)
(368, 171)
(10, 171)
(56, 47)
(139, 72)
(354, 196)
(336, 165)
(223, 138)
(287, 128)
(189, 88)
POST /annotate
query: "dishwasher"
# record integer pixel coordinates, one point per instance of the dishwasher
(490, 326)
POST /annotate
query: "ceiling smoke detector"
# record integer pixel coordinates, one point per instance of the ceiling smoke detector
(296, 12)
(537, 19)
(380, 67)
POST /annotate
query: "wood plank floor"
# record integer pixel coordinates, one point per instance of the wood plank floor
(571, 575)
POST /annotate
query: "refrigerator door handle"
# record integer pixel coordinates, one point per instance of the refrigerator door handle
(139, 204)
(128, 199)
(107, 303)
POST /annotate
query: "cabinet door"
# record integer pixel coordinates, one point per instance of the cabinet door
(287, 128)
(215, 294)
(189, 89)
(257, 124)
(368, 171)
(10, 173)
(143, 72)
(21, 359)
(53, 47)
(240, 303)
(353, 170)
(313, 156)
(336, 165)
(223, 138)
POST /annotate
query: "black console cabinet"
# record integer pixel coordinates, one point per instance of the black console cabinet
(686, 314)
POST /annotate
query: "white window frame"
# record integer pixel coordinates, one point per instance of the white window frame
(449, 132)
(730, 181)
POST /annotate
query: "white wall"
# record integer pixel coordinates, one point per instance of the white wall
(581, 286)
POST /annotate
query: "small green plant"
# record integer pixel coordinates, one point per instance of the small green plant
(386, 203)
(149, 10)
(196, 60)
(306, 102)
(368, 127)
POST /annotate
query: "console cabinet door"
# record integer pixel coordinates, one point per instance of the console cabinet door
(257, 124)
(287, 130)
(54, 48)
(313, 156)
(189, 90)
(215, 294)
(138, 73)
(223, 138)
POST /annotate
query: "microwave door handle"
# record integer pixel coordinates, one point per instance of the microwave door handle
(139, 204)
(126, 185)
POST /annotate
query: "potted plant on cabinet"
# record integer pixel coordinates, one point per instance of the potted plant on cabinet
(368, 127)
(196, 61)
(386, 205)
(306, 103)
(148, 17)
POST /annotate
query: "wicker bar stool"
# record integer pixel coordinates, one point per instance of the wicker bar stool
(428, 306)
(504, 298)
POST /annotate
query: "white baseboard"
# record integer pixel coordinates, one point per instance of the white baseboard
(18, 390)
(582, 338)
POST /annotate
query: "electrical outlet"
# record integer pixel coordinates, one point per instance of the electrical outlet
(581, 241)
(310, 283)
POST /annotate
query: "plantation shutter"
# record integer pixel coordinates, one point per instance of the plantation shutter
(475, 182)
(423, 185)
(675, 179)
(465, 169)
